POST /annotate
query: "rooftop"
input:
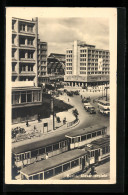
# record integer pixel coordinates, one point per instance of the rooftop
(52, 162)
(38, 144)
(84, 131)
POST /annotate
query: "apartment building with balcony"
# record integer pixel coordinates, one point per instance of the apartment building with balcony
(42, 49)
(25, 91)
(86, 65)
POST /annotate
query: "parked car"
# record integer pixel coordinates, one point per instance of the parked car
(105, 111)
(76, 92)
(92, 110)
(87, 104)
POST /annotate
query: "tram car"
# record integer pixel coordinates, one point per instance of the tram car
(98, 151)
(68, 163)
(36, 151)
(79, 138)
(56, 167)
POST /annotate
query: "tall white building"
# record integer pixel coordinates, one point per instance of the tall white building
(25, 92)
(86, 65)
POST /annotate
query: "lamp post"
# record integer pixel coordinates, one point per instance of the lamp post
(52, 110)
(106, 92)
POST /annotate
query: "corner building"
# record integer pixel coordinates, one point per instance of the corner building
(86, 65)
(25, 92)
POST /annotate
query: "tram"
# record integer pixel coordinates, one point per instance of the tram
(79, 138)
(40, 150)
(68, 163)
(36, 151)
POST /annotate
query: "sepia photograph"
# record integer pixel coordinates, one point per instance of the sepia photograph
(61, 66)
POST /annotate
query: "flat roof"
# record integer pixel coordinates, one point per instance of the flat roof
(84, 131)
(52, 162)
(38, 144)
(101, 141)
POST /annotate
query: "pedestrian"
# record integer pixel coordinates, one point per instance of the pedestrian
(68, 99)
(81, 96)
(27, 123)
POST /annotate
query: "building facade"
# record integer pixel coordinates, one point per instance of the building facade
(42, 61)
(86, 65)
(56, 66)
(25, 90)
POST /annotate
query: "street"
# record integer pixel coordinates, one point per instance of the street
(85, 119)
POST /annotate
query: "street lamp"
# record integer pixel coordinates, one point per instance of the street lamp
(52, 110)
(106, 92)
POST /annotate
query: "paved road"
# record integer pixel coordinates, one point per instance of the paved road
(85, 119)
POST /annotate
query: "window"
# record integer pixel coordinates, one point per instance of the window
(13, 67)
(13, 53)
(83, 137)
(49, 149)
(98, 133)
(66, 167)
(36, 177)
(88, 136)
(13, 25)
(34, 153)
(30, 55)
(30, 178)
(30, 28)
(42, 151)
(94, 134)
(74, 163)
(30, 68)
(22, 27)
(41, 176)
(58, 170)
(29, 96)
(56, 146)
(23, 97)
(30, 42)
(48, 174)
(103, 150)
(13, 38)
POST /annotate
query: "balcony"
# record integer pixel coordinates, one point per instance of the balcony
(27, 73)
(14, 73)
(31, 60)
(23, 46)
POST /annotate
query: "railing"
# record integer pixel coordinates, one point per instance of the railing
(72, 123)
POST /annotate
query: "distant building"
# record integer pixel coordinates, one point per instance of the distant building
(25, 92)
(56, 66)
(86, 65)
(42, 61)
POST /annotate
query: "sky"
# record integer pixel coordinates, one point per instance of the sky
(61, 32)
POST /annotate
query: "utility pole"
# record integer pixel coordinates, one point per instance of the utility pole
(52, 110)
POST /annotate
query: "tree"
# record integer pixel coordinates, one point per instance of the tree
(75, 113)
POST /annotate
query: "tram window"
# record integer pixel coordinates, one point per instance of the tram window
(74, 163)
(56, 146)
(94, 134)
(26, 155)
(34, 153)
(35, 177)
(83, 137)
(78, 139)
(58, 170)
(103, 131)
(88, 136)
(48, 174)
(103, 150)
(88, 154)
(66, 167)
(75, 139)
(93, 153)
(49, 149)
(65, 143)
(21, 157)
(106, 149)
(41, 176)
(30, 178)
(42, 151)
(98, 133)
(72, 140)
